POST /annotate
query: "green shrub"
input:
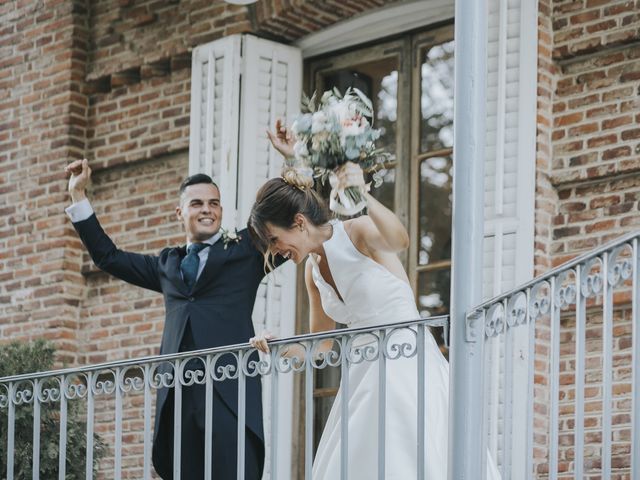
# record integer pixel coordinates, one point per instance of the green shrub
(19, 358)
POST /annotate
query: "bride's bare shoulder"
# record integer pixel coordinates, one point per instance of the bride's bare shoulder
(359, 225)
(357, 229)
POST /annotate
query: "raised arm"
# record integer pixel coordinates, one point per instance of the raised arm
(134, 268)
(282, 140)
(380, 230)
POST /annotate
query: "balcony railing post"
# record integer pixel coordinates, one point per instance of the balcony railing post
(37, 386)
(635, 358)
(344, 409)
(11, 421)
(62, 458)
(208, 419)
(382, 403)
(147, 422)
(242, 400)
(90, 422)
(466, 392)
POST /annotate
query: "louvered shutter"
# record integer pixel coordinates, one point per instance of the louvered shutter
(271, 89)
(215, 93)
(509, 203)
(239, 86)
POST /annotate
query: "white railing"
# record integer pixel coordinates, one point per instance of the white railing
(560, 370)
(117, 400)
(557, 397)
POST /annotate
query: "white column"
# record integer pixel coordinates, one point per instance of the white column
(466, 456)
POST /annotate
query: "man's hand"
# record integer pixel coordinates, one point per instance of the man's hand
(282, 140)
(80, 178)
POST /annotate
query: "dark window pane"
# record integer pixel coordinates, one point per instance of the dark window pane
(434, 234)
(433, 292)
(378, 80)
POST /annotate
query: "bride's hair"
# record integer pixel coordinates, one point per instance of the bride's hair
(277, 203)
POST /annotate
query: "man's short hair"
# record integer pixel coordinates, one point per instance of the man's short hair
(196, 179)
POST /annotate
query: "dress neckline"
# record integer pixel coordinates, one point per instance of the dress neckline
(334, 291)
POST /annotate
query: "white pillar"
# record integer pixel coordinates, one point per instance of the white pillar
(467, 456)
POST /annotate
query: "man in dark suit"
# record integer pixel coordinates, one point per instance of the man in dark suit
(209, 289)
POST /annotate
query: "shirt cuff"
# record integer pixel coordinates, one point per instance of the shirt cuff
(79, 211)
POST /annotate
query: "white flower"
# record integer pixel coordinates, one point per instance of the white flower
(302, 124)
(351, 129)
(230, 236)
(319, 122)
(300, 150)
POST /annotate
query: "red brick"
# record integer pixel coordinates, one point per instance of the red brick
(585, 17)
(582, 101)
(603, 111)
(616, 152)
(583, 129)
(620, 8)
(616, 122)
(565, 232)
(630, 134)
(568, 119)
(601, 26)
(603, 140)
(604, 201)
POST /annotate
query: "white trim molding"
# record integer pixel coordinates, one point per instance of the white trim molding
(377, 24)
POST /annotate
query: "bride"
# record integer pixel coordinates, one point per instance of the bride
(354, 277)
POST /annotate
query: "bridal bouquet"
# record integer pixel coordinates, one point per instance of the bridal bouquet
(331, 132)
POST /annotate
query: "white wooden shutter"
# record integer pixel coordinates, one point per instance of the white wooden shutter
(240, 85)
(271, 89)
(213, 143)
(509, 200)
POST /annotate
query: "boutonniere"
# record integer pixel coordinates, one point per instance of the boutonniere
(230, 236)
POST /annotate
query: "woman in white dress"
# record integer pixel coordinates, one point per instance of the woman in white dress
(354, 277)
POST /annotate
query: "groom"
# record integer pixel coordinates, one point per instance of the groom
(209, 288)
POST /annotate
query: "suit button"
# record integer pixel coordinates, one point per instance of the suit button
(192, 299)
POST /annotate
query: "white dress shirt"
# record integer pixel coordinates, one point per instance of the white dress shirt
(82, 210)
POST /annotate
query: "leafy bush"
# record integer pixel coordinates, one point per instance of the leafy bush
(20, 358)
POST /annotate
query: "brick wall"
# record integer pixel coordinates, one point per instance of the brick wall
(109, 81)
(588, 186)
(621, 398)
(596, 138)
(42, 124)
(136, 205)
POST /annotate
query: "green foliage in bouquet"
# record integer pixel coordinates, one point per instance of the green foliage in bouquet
(334, 130)
(20, 358)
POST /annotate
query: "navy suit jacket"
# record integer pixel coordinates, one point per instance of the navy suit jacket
(218, 308)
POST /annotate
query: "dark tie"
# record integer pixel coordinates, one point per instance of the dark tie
(190, 263)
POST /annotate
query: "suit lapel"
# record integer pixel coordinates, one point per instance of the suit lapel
(217, 256)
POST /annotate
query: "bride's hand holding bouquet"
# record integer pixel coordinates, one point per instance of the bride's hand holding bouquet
(329, 134)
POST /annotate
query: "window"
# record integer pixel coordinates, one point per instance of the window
(410, 81)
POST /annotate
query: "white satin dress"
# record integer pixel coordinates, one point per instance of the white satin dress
(372, 296)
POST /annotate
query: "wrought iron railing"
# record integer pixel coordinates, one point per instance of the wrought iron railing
(124, 391)
(572, 410)
(558, 397)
